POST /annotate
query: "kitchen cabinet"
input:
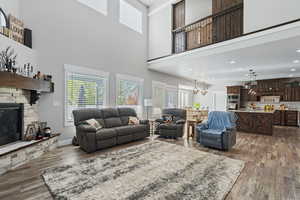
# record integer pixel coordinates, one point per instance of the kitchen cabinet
(291, 118)
(277, 117)
(234, 90)
(286, 118)
(255, 122)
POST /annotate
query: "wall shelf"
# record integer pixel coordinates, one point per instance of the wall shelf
(11, 80)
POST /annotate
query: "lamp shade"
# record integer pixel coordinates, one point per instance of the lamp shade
(156, 111)
(148, 102)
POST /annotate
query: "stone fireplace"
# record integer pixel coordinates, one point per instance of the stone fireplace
(15, 107)
(11, 122)
(19, 96)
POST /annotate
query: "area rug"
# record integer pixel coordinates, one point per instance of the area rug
(152, 171)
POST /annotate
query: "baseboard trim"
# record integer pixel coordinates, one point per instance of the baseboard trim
(64, 142)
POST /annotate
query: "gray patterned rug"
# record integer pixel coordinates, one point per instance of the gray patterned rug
(151, 171)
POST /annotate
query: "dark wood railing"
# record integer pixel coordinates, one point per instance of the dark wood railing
(225, 25)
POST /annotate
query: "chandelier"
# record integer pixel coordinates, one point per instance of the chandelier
(251, 85)
(200, 87)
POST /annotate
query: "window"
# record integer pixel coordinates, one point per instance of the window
(184, 98)
(85, 88)
(98, 5)
(131, 17)
(158, 94)
(130, 92)
(163, 96)
(171, 97)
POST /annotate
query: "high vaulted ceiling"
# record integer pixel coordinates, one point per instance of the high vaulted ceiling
(272, 54)
(147, 2)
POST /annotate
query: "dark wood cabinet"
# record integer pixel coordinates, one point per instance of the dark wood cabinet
(277, 117)
(288, 89)
(234, 90)
(258, 123)
(286, 118)
(291, 118)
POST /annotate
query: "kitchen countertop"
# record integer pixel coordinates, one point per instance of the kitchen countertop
(254, 111)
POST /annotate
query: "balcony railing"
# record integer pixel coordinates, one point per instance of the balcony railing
(225, 25)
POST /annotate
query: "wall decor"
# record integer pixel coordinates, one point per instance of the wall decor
(30, 133)
(17, 29)
(3, 21)
(8, 59)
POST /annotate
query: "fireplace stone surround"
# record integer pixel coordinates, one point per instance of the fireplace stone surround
(20, 152)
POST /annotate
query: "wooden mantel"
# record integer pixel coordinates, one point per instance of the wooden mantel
(11, 80)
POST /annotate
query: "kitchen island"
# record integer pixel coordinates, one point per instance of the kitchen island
(255, 121)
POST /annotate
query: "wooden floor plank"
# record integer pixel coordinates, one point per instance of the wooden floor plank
(272, 170)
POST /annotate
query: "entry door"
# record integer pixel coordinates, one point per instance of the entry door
(179, 15)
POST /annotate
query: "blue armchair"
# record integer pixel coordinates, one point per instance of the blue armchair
(219, 132)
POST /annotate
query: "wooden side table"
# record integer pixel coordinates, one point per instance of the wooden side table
(191, 128)
(152, 123)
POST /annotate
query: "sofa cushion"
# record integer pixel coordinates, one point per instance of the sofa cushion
(130, 129)
(106, 133)
(85, 114)
(125, 113)
(112, 122)
(110, 113)
(125, 120)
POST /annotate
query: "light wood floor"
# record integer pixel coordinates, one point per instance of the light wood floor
(272, 167)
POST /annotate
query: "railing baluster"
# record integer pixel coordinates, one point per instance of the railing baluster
(222, 26)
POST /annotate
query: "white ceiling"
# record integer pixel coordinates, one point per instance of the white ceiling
(270, 54)
(148, 2)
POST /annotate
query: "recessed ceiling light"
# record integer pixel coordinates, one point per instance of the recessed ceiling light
(293, 70)
(298, 51)
(296, 61)
(232, 62)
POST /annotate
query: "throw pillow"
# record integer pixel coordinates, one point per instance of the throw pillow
(167, 118)
(94, 123)
(133, 121)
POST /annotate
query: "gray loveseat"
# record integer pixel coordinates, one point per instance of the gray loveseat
(116, 129)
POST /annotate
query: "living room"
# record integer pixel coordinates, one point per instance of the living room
(95, 94)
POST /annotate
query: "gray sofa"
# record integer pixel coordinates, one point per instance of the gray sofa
(175, 128)
(116, 129)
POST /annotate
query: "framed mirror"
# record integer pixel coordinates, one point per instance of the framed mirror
(3, 19)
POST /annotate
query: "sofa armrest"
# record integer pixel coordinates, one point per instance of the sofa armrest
(86, 128)
(144, 122)
(181, 121)
(202, 126)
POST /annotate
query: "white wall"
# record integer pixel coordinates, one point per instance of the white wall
(24, 54)
(259, 14)
(66, 32)
(160, 33)
(197, 9)
(11, 7)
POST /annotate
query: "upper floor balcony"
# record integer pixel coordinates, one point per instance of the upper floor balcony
(186, 25)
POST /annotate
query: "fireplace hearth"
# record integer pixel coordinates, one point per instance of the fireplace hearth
(11, 122)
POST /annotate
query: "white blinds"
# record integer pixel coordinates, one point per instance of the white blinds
(171, 98)
(84, 91)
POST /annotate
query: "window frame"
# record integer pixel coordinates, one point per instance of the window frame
(105, 13)
(140, 13)
(88, 72)
(172, 89)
